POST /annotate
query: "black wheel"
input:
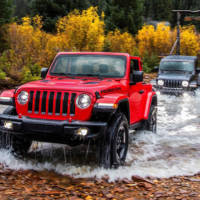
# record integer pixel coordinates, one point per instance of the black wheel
(19, 146)
(151, 123)
(114, 147)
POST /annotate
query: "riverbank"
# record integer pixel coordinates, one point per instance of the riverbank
(45, 185)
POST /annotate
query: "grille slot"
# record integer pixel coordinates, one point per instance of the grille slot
(37, 102)
(58, 100)
(173, 84)
(50, 107)
(43, 107)
(65, 103)
(30, 104)
(72, 104)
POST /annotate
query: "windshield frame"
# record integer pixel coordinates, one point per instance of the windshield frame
(175, 69)
(124, 57)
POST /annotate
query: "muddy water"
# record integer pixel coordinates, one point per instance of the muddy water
(174, 150)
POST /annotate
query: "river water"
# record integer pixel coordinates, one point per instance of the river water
(173, 151)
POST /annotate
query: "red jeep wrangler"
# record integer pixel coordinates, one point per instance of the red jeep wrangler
(82, 98)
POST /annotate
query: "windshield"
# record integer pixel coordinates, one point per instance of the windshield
(177, 65)
(89, 65)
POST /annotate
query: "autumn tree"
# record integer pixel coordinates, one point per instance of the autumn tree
(82, 31)
(121, 42)
(190, 41)
(27, 50)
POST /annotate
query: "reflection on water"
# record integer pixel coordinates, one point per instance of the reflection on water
(174, 150)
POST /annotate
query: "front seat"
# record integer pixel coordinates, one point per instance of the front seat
(103, 69)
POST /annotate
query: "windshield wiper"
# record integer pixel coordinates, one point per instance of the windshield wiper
(62, 74)
(90, 75)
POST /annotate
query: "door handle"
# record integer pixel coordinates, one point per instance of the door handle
(141, 91)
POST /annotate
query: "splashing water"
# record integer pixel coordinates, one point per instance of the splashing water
(173, 151)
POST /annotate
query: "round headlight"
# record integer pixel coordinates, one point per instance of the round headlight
(160, 82)
(22, 97)
(185, 83)
(83, 101)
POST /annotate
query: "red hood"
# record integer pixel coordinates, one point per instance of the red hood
(90, 86)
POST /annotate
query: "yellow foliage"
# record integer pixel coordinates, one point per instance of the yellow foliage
(82, 31)
(145, 39)
(190, 41)
(160, 40)
(27, 46)
(121, 42)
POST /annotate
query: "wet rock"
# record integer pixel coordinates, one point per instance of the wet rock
(109, 196)
(138, 179)
(183, 191)
(131, 198)
(75, 198)
(118, 189)
(159, 194)
(147, 186)
(125, 180)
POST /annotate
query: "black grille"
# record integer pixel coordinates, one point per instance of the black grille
(48, 102)
(172, 83)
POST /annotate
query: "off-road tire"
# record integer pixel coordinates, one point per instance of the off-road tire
(151, 122)
(114, 147)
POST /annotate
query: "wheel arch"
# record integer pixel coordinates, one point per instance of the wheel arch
(123, 107)
(151, 100)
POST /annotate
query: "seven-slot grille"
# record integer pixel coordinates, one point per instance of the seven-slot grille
(50, 103)
(172, 83)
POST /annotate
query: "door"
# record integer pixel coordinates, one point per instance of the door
(136, 93)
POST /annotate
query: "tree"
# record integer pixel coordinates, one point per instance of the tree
(5, 11)
(52, 10)
(5, 16)
(158, 10)
(82, 31)
(125, 15)
(22, 8)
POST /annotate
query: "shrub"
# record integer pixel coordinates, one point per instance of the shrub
(149, 62)
(121, 42)
(82, 31)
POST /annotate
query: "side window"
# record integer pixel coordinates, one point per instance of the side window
(134, 65)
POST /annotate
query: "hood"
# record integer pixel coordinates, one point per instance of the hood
(79, 85)
(175, 76)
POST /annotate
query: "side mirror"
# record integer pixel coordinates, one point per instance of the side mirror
(155, 69)
(136, 77)
(198, 70)
(44, 72)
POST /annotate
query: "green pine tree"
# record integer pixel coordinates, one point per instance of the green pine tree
(52, 10)
(5, 17)
(125, 15)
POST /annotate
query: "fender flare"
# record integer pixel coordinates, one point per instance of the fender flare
(151, 99)
(122, 103)
(7, 97)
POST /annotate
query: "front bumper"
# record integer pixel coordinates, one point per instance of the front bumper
(64, 132)
(175, 91)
